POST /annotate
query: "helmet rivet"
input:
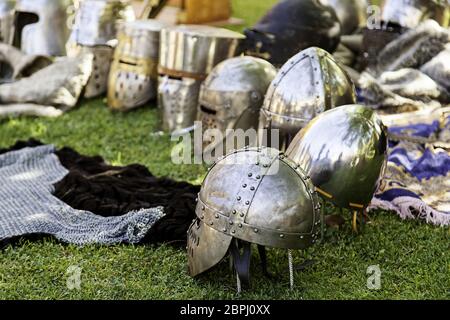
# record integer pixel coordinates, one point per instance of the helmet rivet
(217, 216)
(247, 202)
(233, 231)
(231, 222)
(257, 163)
(238, 198)
(258, 176)
(196, 199)
(224, 229)
(256, 230)
(202, 217)
(211, 223)
(244, 185)
(233, 212)
(240, 225)
(281, 235)
(241, 214)
(301, 237)
(203, 207)
(252, 188)
(249, 174)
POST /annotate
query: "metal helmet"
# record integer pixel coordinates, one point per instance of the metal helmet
(409, 13)
(291, 26)
(134, 71)
(97, 21)
(255, 196)
(343, 150)
(94, 29)
(40, 26)
(352, 14)
(231, 98)
(308, 84)
(6, 20)
(187, 54)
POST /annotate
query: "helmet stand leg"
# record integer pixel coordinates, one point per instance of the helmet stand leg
(291, 269)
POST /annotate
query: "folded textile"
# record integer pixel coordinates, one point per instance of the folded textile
(14, 64)
(438, 68)
(416, 183)
(413, 49)
(59, 84)
(97, 187)
(27, 205)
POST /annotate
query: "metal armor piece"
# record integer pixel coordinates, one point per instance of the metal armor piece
(96, 21)
(6, 20)
(40, 26)
(231, 98)
(257, 196)
(187, 54)
(344, 152)
(133, 78)
(410, 13)
(308, 84)
(291, 26)
(98, 81)
(352, 14)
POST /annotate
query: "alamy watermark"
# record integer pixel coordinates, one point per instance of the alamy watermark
(73, 281)
(374, 279)
(206, 146)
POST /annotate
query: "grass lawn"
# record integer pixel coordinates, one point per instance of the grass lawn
(414, 257)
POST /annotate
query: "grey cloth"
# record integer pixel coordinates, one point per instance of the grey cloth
(27, 205)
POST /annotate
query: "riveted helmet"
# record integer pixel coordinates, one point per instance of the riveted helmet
(134, 72)
(343, 150)
(6, 20)
(40, 26)
(231, 98)
(308, 84)
(188, 53)
(352, 14)
(291, 26)
(252, 196)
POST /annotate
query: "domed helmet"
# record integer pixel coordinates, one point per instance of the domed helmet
(410, 13)
(231, 98)
(252, 196)
(308, 84)
(188, 53)
(343, 150)
(95, 28)
(352, 14)
(291, 26)
(6, 20)
(40, 26)
(134, 72)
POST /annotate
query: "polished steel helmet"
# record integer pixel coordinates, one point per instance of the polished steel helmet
(40, 26)
(231, 98)
(187, 54)
(97, 21)
(343, 150)
(252, 196)
(134, 71)
(410, 13)
(308, 84)
(352, 14)
(291, 26)
(6, 20)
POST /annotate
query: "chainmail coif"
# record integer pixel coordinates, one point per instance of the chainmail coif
(27, 205)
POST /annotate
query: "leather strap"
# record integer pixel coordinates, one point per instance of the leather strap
(241, 262)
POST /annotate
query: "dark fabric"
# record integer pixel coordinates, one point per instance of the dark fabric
(291, 26)
(106, 190)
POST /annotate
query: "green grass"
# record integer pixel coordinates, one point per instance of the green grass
(414, 257)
